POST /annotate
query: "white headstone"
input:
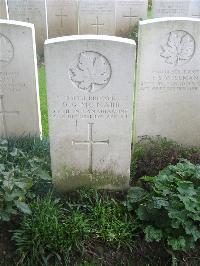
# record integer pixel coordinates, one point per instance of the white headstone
(62, 17)
(168, 89)
(128, 13)
(32, 11)
(170, 8)
(3, 9)
(195, 8)
(97, 17)
(90, 99)
(19, 99)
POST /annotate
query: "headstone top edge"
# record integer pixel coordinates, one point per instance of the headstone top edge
(155, 20)
(90, 37)
(17, 23)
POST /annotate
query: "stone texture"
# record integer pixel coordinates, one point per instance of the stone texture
(170, 8)
(32, 11)
(128, 13)
(3, 9)
(168, 89)
(62, 17)
(195, 8)
(90, 99)
(97, 17)
(19, 100)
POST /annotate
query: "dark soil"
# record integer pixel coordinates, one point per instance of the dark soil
(7, 246)
(142, 253)
(149, 158)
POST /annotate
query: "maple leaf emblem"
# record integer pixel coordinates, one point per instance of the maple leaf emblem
(179, 49)
(6, 50)
(92, 72)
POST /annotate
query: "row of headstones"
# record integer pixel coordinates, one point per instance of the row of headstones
(55, 18)
(175, 8)
(90, 87)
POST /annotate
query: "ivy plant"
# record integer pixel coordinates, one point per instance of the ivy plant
(18, 173)
(168, 206)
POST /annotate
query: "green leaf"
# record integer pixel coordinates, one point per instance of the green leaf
(191, 204)
(2, 167)
(153, 234)
(159, 202)
(177, 215)
(14, 152)
(148, 178)
(192, 229)
(177, 243)
(8, 184)
(11, 196)
(3, 142)
(24, 184)
(136, 194)
(186, 188)
(23, 207)
(5, 216)
(44, 175)
(142, 213)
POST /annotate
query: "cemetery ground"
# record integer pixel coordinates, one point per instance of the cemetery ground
(155, 222)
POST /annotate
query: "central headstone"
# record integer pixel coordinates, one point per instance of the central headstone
(128, 13)
(62, 17)
(97, 17)
(90, 99)
(170, 8)
(3, 9)
(19, 92)
(168, 89)
(32, 11)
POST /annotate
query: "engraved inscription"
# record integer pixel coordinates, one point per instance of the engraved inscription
(179, 48)
(6, 50)
(90, 107)
(90, 142)
(173, 9)
(173, 80)
(91, 72)
(10, 81)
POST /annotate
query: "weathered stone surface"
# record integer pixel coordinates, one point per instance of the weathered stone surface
(170, 8)
(195, 8)
(19, 100)
(128, 13)
(62, 17)
(90, 100)
(32, 11)
(97, 17)
(168, 89)
(3, 9)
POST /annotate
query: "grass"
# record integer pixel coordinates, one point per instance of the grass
(87, 227)
(43, 100)
(65, 230)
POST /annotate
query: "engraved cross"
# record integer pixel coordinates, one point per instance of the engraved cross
(130, 17)
(97, 25)
(61, 17)
(4, 113)
(90, 142)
